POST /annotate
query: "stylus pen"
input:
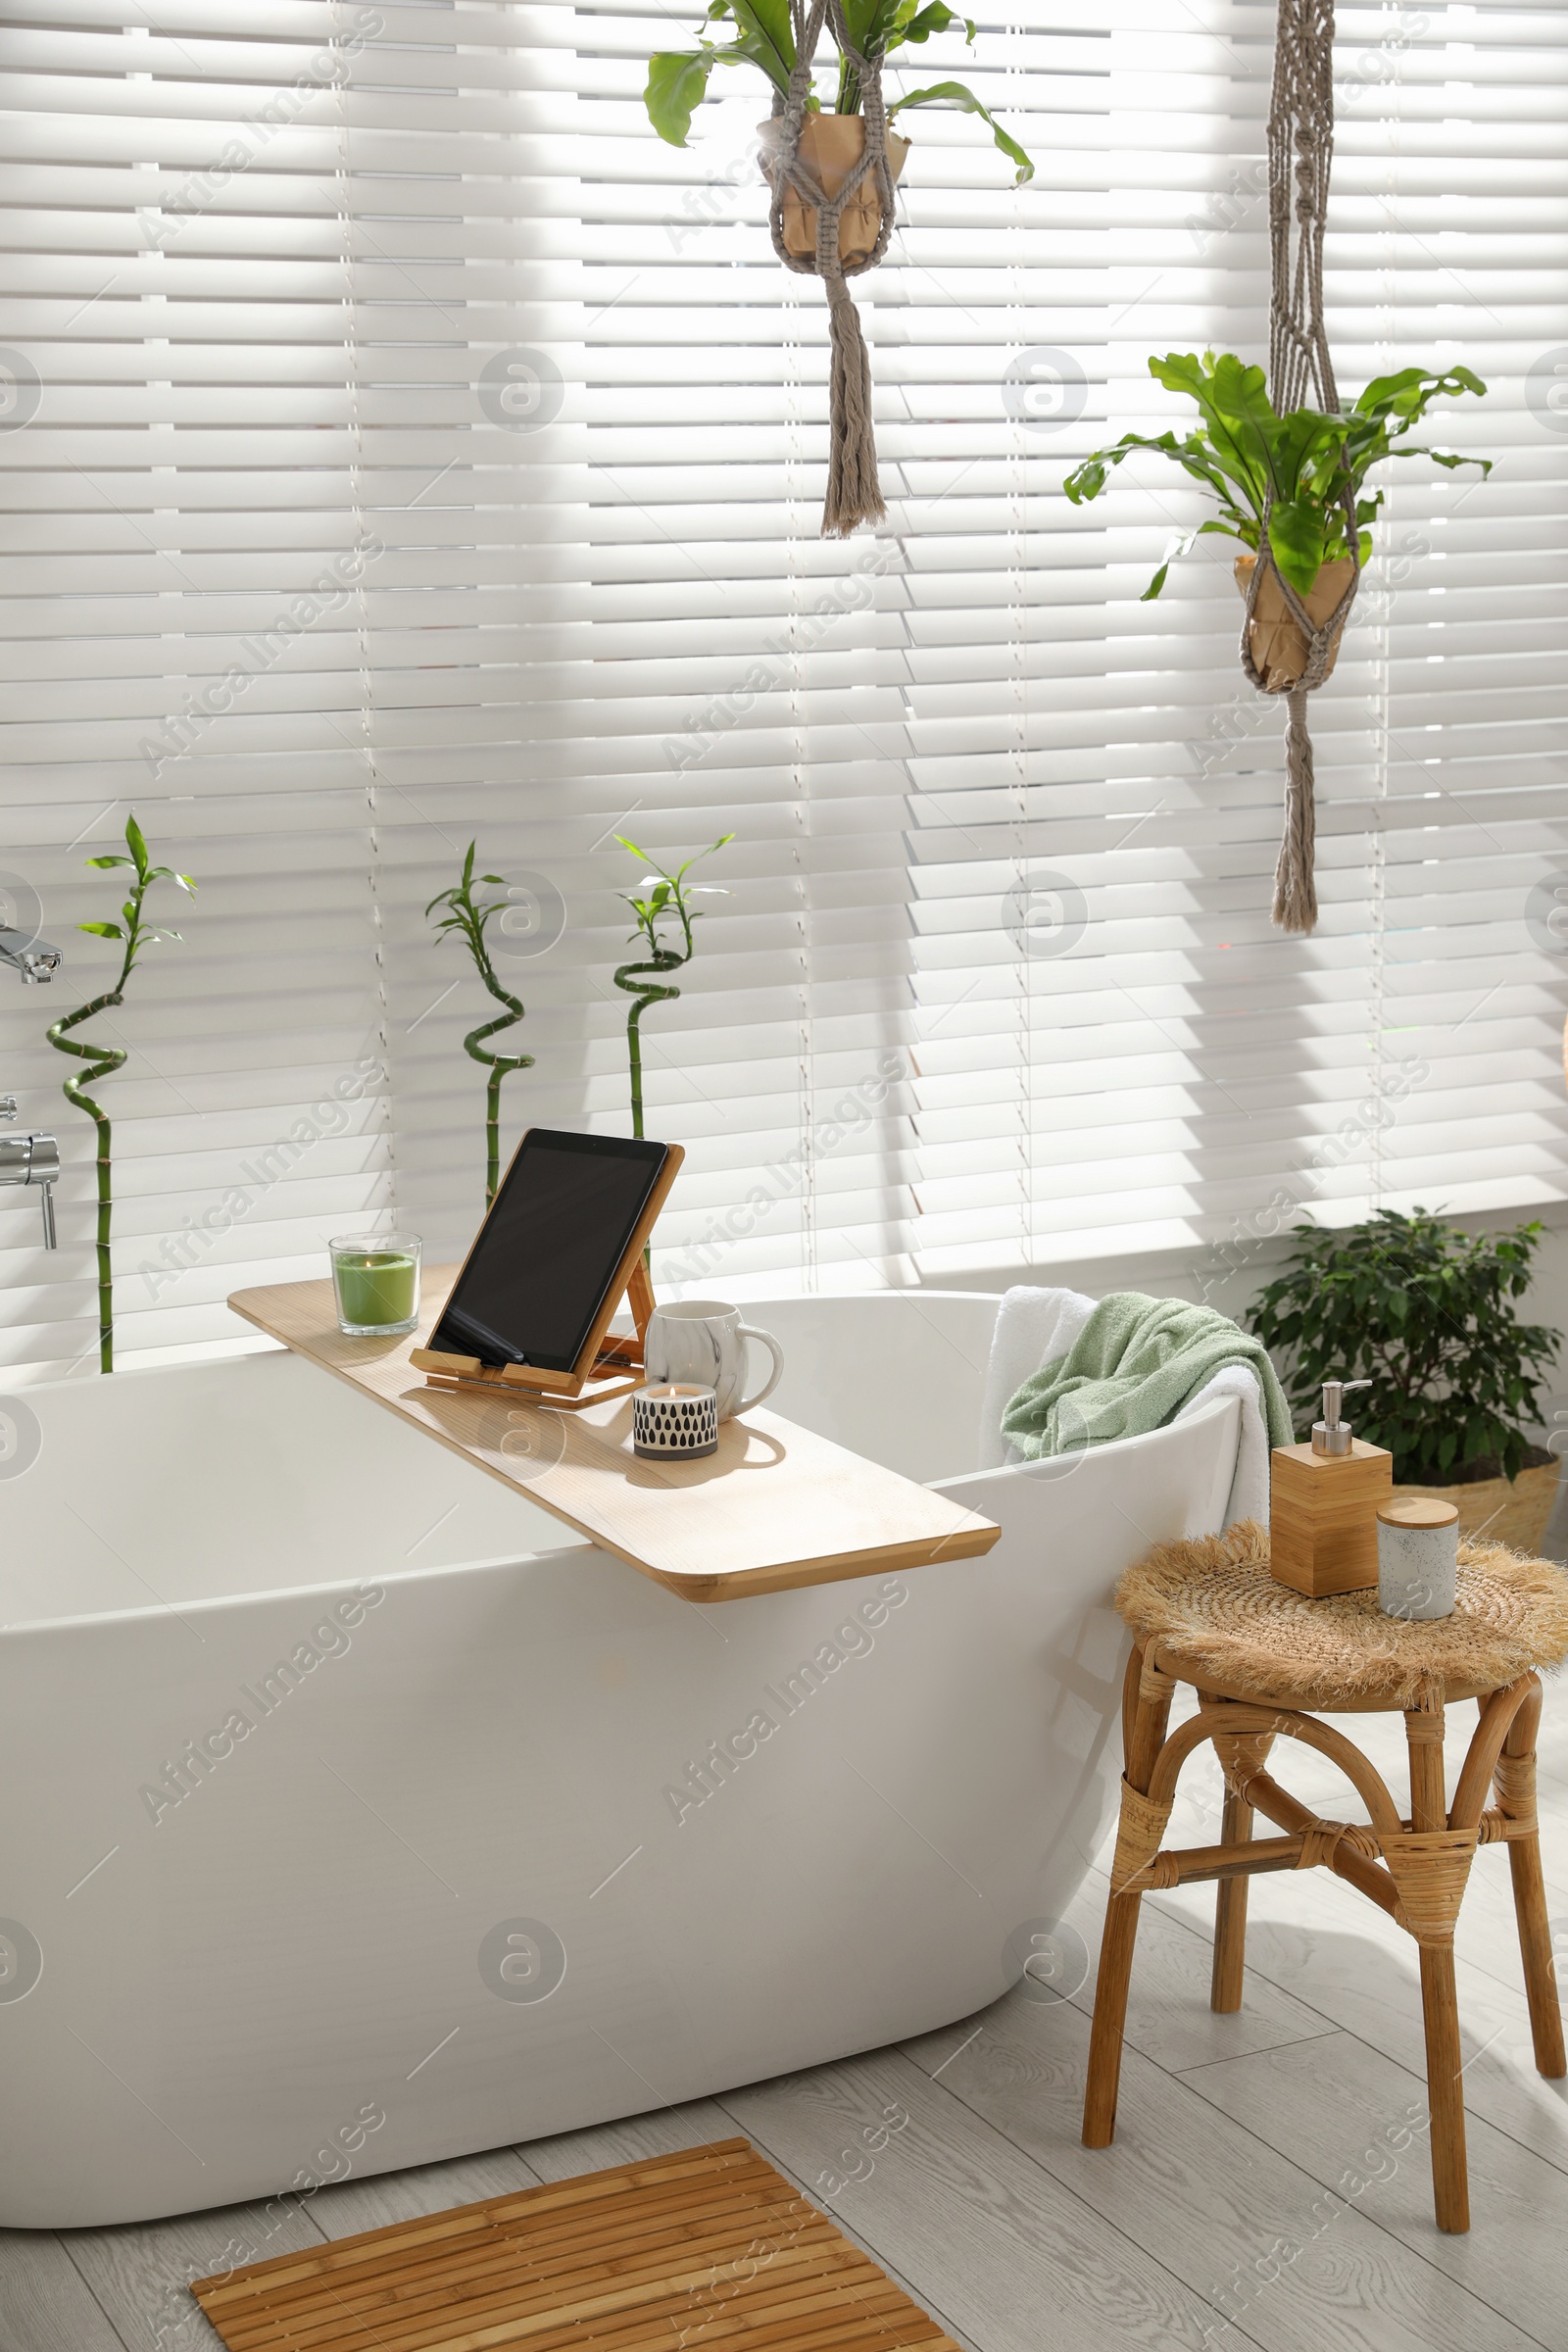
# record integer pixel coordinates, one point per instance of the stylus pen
(620, 1348)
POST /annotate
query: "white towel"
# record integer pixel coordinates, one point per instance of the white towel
(1035, 1327)
(1248, 1497)
(1032, 1328)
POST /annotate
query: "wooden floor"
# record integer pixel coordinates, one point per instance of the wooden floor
(1269, 2184)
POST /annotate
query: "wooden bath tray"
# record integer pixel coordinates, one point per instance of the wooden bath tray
(776, 1506)
(710, 2247)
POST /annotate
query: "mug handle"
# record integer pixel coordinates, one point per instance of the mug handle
(767, 1340)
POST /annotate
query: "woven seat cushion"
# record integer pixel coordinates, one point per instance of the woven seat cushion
(1214, 1600)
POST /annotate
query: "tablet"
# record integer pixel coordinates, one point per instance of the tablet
(551, 1258)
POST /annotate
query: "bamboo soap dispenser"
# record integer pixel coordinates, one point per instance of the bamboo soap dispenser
(1323, 1505)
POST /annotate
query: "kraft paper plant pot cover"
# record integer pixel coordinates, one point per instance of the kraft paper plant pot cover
(1279, 649)
(1493, 1510)
(831, 145)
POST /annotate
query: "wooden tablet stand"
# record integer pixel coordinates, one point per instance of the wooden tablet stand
(611, 1362)
(615, 1370)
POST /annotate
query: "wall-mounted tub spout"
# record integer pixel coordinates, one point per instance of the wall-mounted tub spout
(30, 1159)
(33, 957)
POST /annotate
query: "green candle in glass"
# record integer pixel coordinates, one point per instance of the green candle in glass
(376, 1279)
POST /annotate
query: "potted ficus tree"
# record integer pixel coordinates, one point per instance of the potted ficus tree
(1294, 476)
(1426, 1313)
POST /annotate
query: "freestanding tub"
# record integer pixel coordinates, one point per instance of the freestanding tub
(356, 1818)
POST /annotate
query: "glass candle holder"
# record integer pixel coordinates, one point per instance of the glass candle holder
(376, 1279)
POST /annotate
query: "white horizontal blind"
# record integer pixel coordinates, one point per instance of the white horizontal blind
(1408, 1052)
(1165, 1066)
(667, 654)
(387, 364)
(1452, 241)
(184, 637)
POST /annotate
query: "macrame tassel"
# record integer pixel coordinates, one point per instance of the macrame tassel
(1295, 889)
(854, 492)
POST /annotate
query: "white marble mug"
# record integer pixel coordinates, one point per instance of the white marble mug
(703, 1339)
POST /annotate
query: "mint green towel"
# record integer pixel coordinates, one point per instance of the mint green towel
(1133, 1366)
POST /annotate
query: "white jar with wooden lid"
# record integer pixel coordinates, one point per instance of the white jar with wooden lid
(1418, 1558)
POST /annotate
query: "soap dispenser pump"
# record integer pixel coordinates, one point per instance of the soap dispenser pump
(1323, 1503)
(1331, 1435)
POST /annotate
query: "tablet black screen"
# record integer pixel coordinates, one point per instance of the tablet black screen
(549, 1249)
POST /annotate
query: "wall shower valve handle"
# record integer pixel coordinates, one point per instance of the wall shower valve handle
(30, 1159)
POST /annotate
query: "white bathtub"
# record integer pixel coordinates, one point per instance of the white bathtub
(300, 1966)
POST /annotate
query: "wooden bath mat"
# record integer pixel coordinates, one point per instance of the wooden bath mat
(710, 2250)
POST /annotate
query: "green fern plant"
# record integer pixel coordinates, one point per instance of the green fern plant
(1295, 472)
(469, 917)
(667, 899)
(763, 36)
(133, 934)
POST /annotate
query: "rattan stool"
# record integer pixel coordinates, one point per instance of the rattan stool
(1260, 1656)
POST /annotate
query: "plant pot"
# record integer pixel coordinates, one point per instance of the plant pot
(831, 145)
(1503, 1511)
(1279, 648)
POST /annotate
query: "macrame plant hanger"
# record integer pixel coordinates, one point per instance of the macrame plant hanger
(1300, 156)
(854, 493)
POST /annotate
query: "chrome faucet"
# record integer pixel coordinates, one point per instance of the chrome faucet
(30, 1159)
(26, 953)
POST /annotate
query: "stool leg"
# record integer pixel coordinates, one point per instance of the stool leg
(1440, 2005)
(1111, 2017)
(1230, 1914)
(1516, 1796)
(1534, 1945)
(1450, 2189)
(1146, 1712)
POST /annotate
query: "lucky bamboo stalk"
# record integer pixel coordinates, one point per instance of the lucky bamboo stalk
(103, 1060)
(668, 896)
(466, 914)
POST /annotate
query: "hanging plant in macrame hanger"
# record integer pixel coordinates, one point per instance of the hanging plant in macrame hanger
(1288, 476)
(832, 176)
(1306, 630)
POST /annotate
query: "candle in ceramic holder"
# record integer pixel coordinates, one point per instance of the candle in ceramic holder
(674, 1420)
(376, 1279)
